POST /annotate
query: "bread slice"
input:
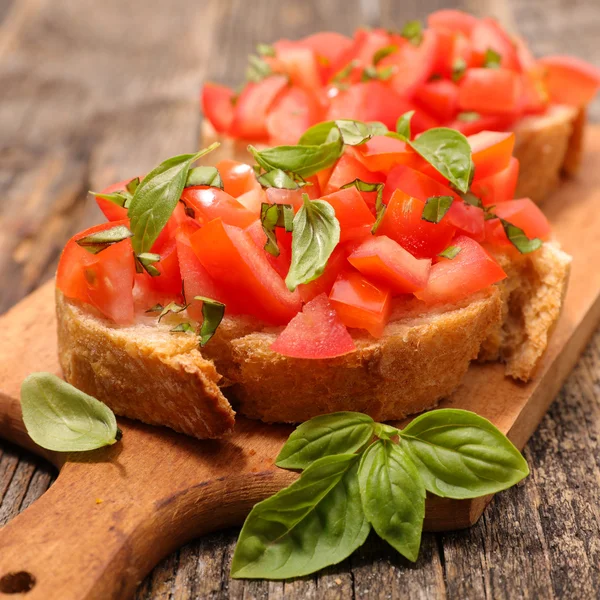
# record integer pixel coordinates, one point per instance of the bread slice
(146, 372)
(547, 146)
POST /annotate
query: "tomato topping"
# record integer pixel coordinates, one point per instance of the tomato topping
(470, 271)
(282, 196)
(104, 280)
(217, 104)
(489, 91)
(233, 259)
(316, 332)
(387, 263)
(361, 304)
(492, 152)
(252, 200)
(238, 178)
(212, 203)
(483, 123)
(499, 187)
(350, 209)
(486, 35)
(112, 211)
(328, 47)
(168, 283)
(440, 98)
(282, 262)
(570, 80)
(415, 183)
(381, 103)
(454, 20)
(403, 223)
(382, 152)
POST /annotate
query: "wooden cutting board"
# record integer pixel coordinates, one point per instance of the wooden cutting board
(114, 513)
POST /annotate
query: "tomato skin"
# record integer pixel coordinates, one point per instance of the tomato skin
(570, 80)
(104, 280)
(350, 209)
(382, 153)
(211, 203)
(233, 259)
(491, 152)
(489, 91)
(328, 47)
(299, 62)
(361, 304)
(315, 333)
(217, 105)
(499, 187)
(440, 98)
(113, 212)
(252, 200)
(470, 271)
(384, 262)
(238, 178)
(250, 113)
(381, 103)
(323, 284)
(488, 34)
(454, 20)
(415, 183)
(483, 123)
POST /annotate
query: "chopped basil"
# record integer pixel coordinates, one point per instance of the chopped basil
(257, 69)
(492, 60)
(145, 262)
(122, 198)
(458, 68)
(383, 74)
(517, 237)
(450, 252)
(345, 71)
(172, 307)
(133, 185)
(366, 186)
(383, 52)
(403, 124)
(279, 179)
(182, 327)
(472, 199)
(101, 240)
(413, 32)
(436, 207)
(265, 50)
(212, 315)
(208, 176)
(468, 117)
(272, 216)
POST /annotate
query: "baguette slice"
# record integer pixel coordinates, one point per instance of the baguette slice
(145, 372)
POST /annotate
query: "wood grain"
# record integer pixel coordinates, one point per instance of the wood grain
(84, 101)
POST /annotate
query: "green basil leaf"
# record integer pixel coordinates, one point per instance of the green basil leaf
(353, 133)
(265, 50)
(413, 32)
(59, 417)
(468, 116)
(182, 327)
(345, 72)
(386, 432)
(212, 315)
(122, 198)
(101, 240)
(458, 69)
(450, 252)
(382, 74)
(383, 52)
(393, 496)
(257, 69)
(145, 262)
(208, 176)
(472, 199)
(517, 237)
(326, 435)
(272, 216)
(377, 128)
(316, 234)
(132, 186)
(462, 455)
(157, 196)
(276, 178)
(448, 152)
(365, 186)
(436, 207)
(315, 522)
(492, 60)
(403, 125)
(172, 307)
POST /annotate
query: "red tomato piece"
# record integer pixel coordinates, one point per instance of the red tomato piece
(346, 170)
(470, 271)
(212, 203)
(490, 91)
(454, 20)
(347, 104)
(168, 283)
(489, 35)
(104, 280)
(168, 232)
(467, 219)
(439, 97)
(234, 261)
(282, 262)
(293, 197)
(328, 47)
(250, 113)
(217, 104)
(238, 178)
(384, 261)
(382, 104)
(252, 200)
(112, 211)
(300, 63)
(291, 115)
(382, 153)
(415, 183)
(570, 80)
(316, 332)
(403, 223)
(483, 123)
(361, 304)
(534, 96)
(499, 187)
(350, 209)
(323, 284)
(491, 152)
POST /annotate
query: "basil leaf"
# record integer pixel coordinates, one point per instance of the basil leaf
(413, 32)
(59, 417)
(353, 133)
(276, 178)
(315, 522)
(383, 52)
(132, 186)
(101, 240)
(208, 176)
(472, 199)
(403, 124)
(393, 496)
(468, 116)
(145, 262)
(121, 198)
(462, 455)
(212, 315)
(157, 196)
(492, 60)
(265, 49)
(326, 435)
(272, 216)
(377, 128)
(436, 207)
(386, 432)
(517, 237)
(458, 69)
(448, 152)
(345, 72)
(316, 234)
(450, 252)
(383, 74)
(257, 69)
(172, 307)
(184, 327)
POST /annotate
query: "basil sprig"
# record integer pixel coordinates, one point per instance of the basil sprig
(60, 417)
(436, 207)
(272, 216)
(156, 197)
(316, 234)
(101, 240)
(356, 474)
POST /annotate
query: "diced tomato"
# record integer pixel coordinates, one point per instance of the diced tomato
(300, 63)
(104, 280)
(292, 113)
(439, 97)
(489, 35)
(415, 183)
(382, 153)
(491, 152)
(454, 20)
(165, 236)
(252, 200)
(112, 211)
(570, 80)
(361, 304)
(282, 262)
(499, 187)
(238, 178)
(534, 96)
(403, 223)
(350, 209)
(486, 91)
(470, 271)
(211, 203)
(328, 46)
(168, 283)
(382, 104)
(347, 104)
(316, 332)
(323, 284)
(217, 104)
(282, 196)
(233, 259)
(346, 170)
(483, 123)
(385, 262)
(252, 106)
(467, 219)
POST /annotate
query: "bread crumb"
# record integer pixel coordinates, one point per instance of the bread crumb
(338, 581)
(99, 501)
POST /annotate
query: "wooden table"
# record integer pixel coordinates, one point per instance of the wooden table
(92, 91)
